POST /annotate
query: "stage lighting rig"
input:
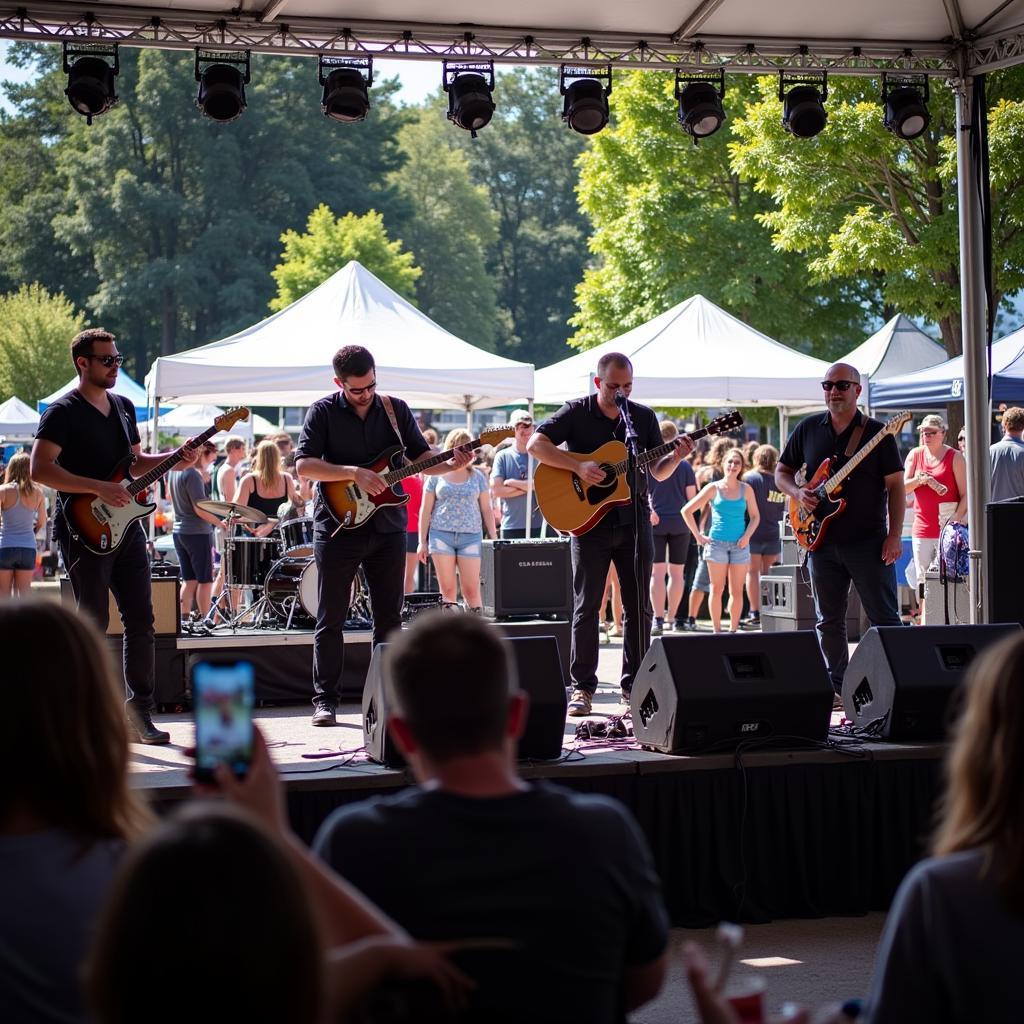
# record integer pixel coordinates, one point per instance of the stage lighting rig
(222, 79)
(905, 99)
(586, 89)
(700, 95)
(346, 82)
(803, 96)
(469, 85)
(91, 76)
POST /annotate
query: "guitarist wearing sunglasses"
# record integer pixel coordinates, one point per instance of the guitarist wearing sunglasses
(860, 545)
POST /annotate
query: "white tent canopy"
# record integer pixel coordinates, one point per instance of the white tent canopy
(18, 421)
(286, 359)
(695, 354)
(900, 346)
(189, 419)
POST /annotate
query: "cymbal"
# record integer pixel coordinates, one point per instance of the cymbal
(240, 513)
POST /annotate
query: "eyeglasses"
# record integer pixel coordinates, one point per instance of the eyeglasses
(361, 391)
(961, 439)
(929, 433)
(839, 385)
(525, 423)
(108, 361)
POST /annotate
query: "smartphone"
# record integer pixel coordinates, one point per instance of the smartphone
(222, 699)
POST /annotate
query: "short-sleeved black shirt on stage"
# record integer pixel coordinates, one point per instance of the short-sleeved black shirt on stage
(334, 432)
(582, 426)
(91, 444)
(814, 440)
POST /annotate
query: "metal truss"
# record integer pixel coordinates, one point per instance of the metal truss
(44, 21)
(994, 53)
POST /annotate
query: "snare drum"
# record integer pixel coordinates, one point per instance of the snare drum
(250, 559)
(297, 537)
(292, 585)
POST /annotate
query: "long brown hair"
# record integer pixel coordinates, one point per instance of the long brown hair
(63, 734)
(266, 465)
(983, 805)
(17, 472)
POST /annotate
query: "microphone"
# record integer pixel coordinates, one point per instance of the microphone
(620, 399)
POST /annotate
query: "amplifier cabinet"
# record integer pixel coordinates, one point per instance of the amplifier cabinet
(526, 578)
(166, 606)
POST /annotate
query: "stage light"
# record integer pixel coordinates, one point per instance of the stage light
(90, 88)
(346, 85)
(803, 102)
(700, 98)
(222, 79)
(586, 91)
(469, 86)
(905, 99)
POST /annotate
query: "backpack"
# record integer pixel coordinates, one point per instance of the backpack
(954, 545)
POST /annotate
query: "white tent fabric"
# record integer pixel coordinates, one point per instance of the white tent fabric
(18, 421)
(189, 419)
(124, 386)
(286, 359)
(695, 354)
(900, 346)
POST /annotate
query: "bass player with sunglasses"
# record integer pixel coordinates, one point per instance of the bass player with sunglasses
(860, 538)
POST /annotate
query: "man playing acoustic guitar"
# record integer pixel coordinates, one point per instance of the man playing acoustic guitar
(862, 543)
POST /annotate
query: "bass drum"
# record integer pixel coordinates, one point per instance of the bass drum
(291, 590)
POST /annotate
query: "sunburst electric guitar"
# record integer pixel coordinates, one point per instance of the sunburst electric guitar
(100, 526)
(572, 506)
(351, 506)
(810, 527)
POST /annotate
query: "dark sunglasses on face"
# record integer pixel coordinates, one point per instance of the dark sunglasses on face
(361, 391)
(839, 385)
(108, 361)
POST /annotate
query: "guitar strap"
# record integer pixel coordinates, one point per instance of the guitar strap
(855, 437)
(390, 410)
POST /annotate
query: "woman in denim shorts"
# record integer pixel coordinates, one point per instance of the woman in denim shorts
(734, 517)
(22, 513)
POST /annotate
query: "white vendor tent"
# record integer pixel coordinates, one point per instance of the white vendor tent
(188, 420)
(18, 421)
(286, 359)
(695, 354)
(124, 386)
(900, 346)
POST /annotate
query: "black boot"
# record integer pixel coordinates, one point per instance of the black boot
(142, 730)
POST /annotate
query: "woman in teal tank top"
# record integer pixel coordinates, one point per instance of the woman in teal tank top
(734, 517)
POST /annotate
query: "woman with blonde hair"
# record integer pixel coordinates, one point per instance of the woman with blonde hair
(22, 513)
(455, 514)
(266, 486)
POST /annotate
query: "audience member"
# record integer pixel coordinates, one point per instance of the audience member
(413, 486)
(766, 542)
(1008, 458)
(748, 453)
(510, 480)
(22, 513)
(267, 487)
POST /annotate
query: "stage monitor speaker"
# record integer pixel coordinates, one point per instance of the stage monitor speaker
(1004, 560)
(539, 669)
(166, 606)
(702, 693)
(526, 578)
(900, 679)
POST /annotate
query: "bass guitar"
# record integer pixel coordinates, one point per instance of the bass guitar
(572, 506)
(101, 527)
(350, 506)
(809, 527)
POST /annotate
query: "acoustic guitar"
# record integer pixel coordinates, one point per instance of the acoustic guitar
(350, 506)
(572, 506)
(809, 527)
(102, 527)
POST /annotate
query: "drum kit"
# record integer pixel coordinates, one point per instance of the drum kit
(275, 576)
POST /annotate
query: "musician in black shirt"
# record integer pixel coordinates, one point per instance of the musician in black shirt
(80, 439)
(342, 433)
(583, 425)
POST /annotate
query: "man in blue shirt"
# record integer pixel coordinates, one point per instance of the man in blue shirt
(510, 478)
(1008, 458)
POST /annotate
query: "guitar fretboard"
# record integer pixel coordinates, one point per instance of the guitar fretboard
(653, 454)
(393, 476)
(841, 474)
(165, 465)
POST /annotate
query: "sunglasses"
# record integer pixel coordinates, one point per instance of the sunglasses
(930, 432)
(361, 391)
(961, 439)
(839, 385)
(108, 361)
(525, 423)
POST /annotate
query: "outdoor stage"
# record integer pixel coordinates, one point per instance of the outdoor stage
(753, 836)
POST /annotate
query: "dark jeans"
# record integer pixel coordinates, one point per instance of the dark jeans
(591, 555)
(125, 573)
(382, 556)
(833, 567)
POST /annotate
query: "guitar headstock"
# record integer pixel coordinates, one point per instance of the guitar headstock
(896, 423)
(724, 423)
(495, 435)
(231, 417)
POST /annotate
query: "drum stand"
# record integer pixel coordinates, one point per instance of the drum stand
(225, 605)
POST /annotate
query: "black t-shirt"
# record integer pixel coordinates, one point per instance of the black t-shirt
(865, 515)
(90, 443)
(334, 432)
(668, 497)
(449, 867)
(771, 503)
(582, 426)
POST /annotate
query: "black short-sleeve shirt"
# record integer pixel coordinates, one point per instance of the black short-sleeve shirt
(90, 443)
(582, 427)
(815, 440)
(334, 432)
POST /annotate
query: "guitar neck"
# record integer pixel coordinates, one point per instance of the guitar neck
(841, 474)
(653, 454)
(393, 476)
(165, 465)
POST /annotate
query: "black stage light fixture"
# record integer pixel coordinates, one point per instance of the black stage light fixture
(222, 79)
(91, 76)
(469, 85)
(700, 96)
(803, 97)
(346, 82)
(905, 99)
(586, 90)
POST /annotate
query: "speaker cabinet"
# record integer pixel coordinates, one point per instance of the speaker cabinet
(1004, 560)
(166, 606)
(539, 668)
(702, 693)
(900, 680)
(526, 578)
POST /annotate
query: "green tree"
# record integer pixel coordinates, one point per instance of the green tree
(328, 243)
(36, 329)
(672, 219)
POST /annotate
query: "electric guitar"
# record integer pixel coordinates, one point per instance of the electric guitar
(101, 527)
(810, 527)
(572, 506)
(351, 506)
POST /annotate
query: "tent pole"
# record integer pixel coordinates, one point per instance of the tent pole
(529, 485)
(972, 300)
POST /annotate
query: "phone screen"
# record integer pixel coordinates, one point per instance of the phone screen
(222, 699)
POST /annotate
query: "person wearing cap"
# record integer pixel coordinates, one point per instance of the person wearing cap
(1008, 458)
(936, 476)
(510, 477)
